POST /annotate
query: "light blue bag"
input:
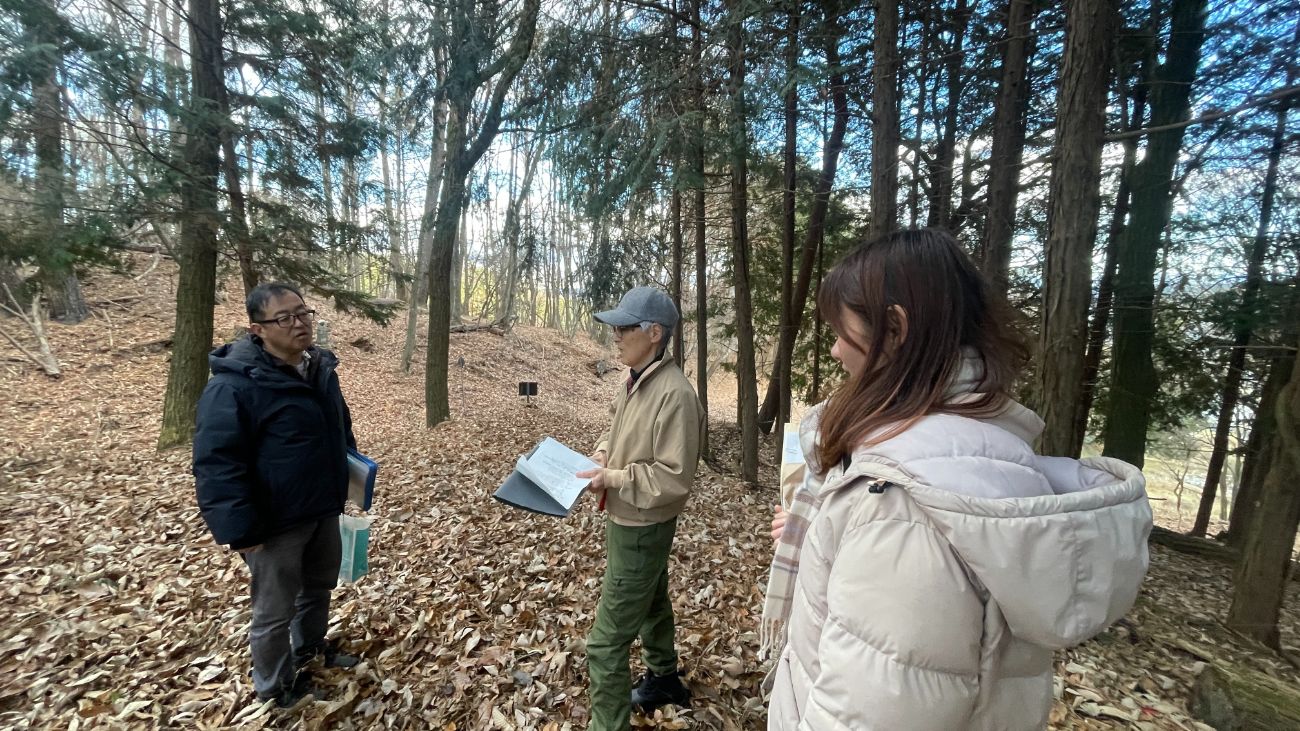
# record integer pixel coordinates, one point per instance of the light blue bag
(355, 536)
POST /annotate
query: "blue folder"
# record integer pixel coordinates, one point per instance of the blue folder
(361, 479)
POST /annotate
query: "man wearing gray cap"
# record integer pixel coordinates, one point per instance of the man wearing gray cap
(648, 458)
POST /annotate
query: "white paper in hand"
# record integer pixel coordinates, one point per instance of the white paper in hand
(552, 467)
(791, 450)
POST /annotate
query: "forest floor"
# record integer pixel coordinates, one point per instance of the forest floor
(120, 612)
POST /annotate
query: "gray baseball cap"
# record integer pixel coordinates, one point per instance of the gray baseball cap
(641, 304)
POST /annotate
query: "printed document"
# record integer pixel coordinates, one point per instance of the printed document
(552, 467)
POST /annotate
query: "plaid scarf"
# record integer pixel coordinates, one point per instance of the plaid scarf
(785, 566)
(785, 562)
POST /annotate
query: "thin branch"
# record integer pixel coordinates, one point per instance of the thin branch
(30, 355)
(675, 15)
(45, 359)
(1279, 95)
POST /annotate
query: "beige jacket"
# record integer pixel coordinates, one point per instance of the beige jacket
(652, 446)
(936, 604)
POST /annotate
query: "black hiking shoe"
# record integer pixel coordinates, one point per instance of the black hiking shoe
(333, 657)
(655, 691)
(336, 658)
(293, 695)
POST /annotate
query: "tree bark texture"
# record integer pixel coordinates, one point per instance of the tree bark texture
(432, 190)
(738, 150)
(1133, 377)
(884, 120)
(67, 305)
(513, 229)
(675, 214)
(780, 381)
(941, 172)
(393, 218)
(701, 240)
(1234, 698)
(1258, 457)
(239, 229)
(1075, 200)
(1100, 322)
(1008, 143)
(1259, 585)
(196, 287)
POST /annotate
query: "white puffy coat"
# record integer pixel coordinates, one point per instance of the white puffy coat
(936, 604)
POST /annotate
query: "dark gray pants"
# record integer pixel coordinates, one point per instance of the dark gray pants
(293, 575)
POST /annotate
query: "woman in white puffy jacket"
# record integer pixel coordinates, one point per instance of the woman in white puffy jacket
(930, 562)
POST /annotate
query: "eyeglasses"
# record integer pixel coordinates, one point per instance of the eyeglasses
(625, 329)
(286, 321)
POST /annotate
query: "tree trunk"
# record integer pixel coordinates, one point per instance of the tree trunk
(393, 216)
(918, 160)
(780, 380)
(67, 305)
(1008, 143)
(675, 214)
(816, 390)
(139, 133)
(350, 204)
(1097, 326)
(776, 405)
(1245, 319)
(469, 70)
(67, 302)
(1259, 446)
(174, 56)
(239, 231)
(512, 231)
(1133, 378)
(1233, 698)
(701, 242)
(941, 174)
(200, 221)
(432, 191)
(738, 152)
(884, 120)
(1260, 581)
(437, 409)
(1072, 218)
(326, 174)
(460, 295)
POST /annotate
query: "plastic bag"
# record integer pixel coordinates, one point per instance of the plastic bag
(354, 533)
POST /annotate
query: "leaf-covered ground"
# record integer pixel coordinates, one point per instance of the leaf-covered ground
(120, 612)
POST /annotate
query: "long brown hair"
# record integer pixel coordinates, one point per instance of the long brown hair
(912, 357)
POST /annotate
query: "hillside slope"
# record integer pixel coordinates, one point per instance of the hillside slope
(122, 613)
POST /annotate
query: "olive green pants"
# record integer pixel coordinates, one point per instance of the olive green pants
(633, 603)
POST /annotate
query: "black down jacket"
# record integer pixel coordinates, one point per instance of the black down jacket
(270, 448)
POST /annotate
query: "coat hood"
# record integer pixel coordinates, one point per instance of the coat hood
(1060, 544)
(246, 357)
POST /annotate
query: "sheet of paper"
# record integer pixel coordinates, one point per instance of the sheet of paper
(791, 452)
(552, 467)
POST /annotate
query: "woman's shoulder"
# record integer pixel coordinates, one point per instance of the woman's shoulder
(865, 500)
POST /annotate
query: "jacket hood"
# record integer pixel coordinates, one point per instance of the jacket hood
(246, 357)
(1060, 544)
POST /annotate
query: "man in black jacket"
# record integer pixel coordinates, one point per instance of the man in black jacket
(271, 473)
